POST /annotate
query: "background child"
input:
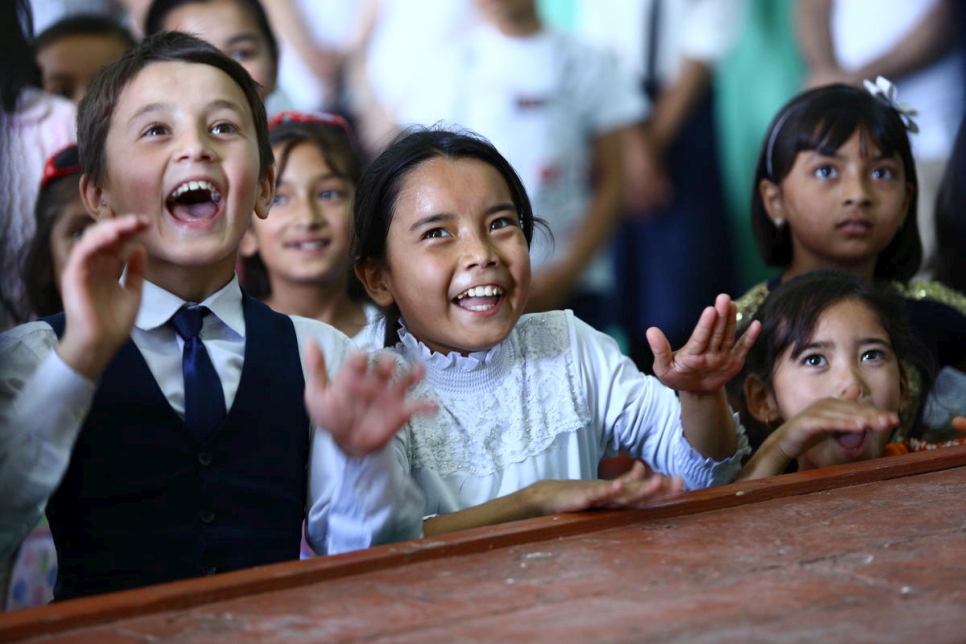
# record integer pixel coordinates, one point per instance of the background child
(240, 28)
(33, 126)
(828, 372)
(297, 261)
(61, 220)
(529, 405)
(558, 109)
(190, 405)
(836, 188)
(71, 52)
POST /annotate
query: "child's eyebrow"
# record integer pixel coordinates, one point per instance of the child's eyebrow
(436, 218)
(151, 108)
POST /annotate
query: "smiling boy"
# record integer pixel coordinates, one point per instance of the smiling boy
(166, 480)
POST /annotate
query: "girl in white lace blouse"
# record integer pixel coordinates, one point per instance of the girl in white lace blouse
(528, 404)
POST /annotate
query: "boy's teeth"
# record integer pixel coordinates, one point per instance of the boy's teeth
(195, 185)
(481, 291)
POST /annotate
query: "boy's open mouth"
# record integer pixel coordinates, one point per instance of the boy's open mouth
(194, 201)
(479, 298)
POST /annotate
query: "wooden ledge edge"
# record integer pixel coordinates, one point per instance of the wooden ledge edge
(101, 609)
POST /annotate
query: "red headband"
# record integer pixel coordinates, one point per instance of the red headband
(61, 164)
(321, 118)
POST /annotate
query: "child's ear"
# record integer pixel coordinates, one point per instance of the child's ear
(905, 396)
(375, 278)
(249, 244)
(771, 196)
(760, 400)
(266, 193)
(94, 199)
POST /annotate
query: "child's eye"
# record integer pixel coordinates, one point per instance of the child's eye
(434, 233)
(242, 54)
(279, 200)
(884, 173)
(873, 354)
(825, 172)
(502, 222)
(330, 195)
(155, 130)
(223, 128)
(813, 360)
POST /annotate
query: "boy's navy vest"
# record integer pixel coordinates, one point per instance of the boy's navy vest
(143, 502)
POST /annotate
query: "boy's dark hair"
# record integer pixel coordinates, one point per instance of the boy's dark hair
(823, 119)
(340, 153)
(949, 265)
(381, 183)
(159, 10)
(16, 57)
(83, 25)
(96, 109)
(791, 312)
(60, 186)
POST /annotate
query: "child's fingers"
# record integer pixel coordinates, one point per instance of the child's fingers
(137, 261)
(959, 423)
(720, 329)
(660, 347)
(747, 340)
(318, 378)
(731, 324)
(701, 336)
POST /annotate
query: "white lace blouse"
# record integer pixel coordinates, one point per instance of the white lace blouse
(549, 402)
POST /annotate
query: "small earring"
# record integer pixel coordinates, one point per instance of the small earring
(779, 222)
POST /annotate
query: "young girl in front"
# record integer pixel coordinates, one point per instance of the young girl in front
(297, 260)
(528, 404)
(828, 376)
(836, 188)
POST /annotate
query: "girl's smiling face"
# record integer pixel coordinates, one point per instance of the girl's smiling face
(457, 262)
(842, 209)
(307, 235)
(849, 356)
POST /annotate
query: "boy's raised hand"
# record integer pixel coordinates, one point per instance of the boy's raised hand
(711, 357)
(365, 404)
(99, 309)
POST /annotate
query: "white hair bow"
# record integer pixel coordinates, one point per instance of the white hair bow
(884, 90)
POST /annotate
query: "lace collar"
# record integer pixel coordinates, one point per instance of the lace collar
(455, 373)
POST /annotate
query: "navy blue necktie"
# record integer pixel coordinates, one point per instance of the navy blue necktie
(204, 399)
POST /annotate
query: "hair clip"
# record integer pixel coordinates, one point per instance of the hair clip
(771, 142)
(887, 93)
(61, 164)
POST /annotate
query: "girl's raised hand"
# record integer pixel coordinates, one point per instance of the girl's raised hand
(820, 419)
(711, 357)
(365, 404)
(99, 309)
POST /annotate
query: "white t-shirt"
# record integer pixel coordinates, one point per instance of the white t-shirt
(541, 100)
(863, 30)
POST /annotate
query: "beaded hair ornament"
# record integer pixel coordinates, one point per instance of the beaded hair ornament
(882, 89)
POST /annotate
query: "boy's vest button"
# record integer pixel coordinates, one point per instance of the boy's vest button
(204, 458)
(206, 516)
(210, 570)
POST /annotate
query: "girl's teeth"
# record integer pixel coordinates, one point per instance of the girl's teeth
(482, 291)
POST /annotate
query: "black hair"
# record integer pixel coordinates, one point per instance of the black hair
(96, 109)
(381, 182)
(949, 265)
(85, 24)
(159, 10)
(823, 119)
(17, 67)
(340, 154)
(791, 312)
(40, 284)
